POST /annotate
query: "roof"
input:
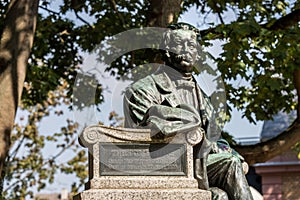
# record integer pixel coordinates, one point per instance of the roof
(280, 122)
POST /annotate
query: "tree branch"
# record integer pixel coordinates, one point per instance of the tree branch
(220, 17)
(81, 19)
(43, 164)
(213, 30)
(48, 10)
(15, 152)
(114, 5)
(282, 23)
(264, 151)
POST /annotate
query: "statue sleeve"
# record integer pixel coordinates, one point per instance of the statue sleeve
(169, 121)
(137, 100)
(144, 107)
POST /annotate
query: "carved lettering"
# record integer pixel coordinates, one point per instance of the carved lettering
(142, 159)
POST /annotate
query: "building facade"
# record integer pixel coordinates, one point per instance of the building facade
(280, 176)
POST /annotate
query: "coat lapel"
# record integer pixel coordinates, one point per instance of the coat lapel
(164, 84)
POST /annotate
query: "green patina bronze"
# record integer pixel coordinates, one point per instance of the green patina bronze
(170, 102)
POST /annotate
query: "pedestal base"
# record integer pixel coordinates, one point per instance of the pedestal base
(143, 194)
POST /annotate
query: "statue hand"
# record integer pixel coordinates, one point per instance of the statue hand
(245, 167)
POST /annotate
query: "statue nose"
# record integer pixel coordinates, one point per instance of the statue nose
(185, 47)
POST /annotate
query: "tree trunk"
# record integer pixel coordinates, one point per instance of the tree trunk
(297, 86)
(16, 42)
(163, 12)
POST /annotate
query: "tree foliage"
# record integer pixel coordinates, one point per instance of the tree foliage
(262, 55)
(259, 65)
(36, 158)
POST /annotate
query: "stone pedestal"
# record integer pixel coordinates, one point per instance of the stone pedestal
(129, 164)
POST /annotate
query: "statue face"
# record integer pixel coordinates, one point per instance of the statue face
(183, 48)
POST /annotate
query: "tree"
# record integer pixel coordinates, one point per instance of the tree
(16, 41)
(36, 158)
(260, 50)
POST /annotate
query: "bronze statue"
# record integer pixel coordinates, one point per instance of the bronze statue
(169, 101)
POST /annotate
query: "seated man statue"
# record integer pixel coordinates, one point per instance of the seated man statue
(169, 101)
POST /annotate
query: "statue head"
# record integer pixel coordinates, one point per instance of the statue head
(181, 44)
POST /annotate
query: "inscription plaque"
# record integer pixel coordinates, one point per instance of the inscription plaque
(142, 159)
